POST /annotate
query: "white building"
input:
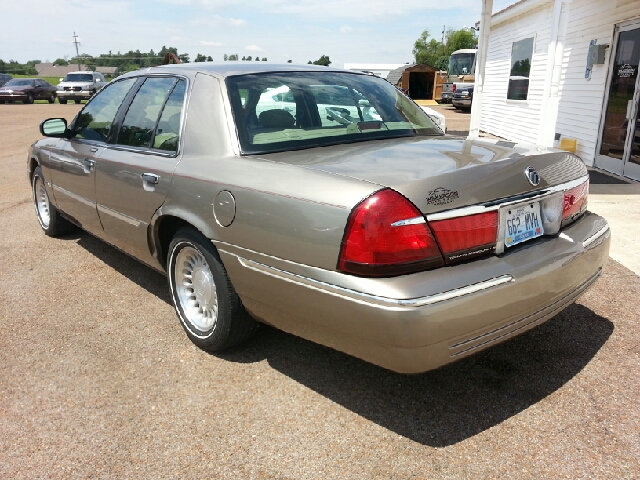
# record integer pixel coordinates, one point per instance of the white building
(541, 83)
(378, 69)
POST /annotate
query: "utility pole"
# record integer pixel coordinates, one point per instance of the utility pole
(444, 27)
(75, 41)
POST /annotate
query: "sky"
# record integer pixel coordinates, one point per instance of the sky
(348, 31)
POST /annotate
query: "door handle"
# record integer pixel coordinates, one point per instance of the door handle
(150, 178)
(93, 149)
(87, 165)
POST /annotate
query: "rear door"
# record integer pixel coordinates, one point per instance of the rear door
(133, 175)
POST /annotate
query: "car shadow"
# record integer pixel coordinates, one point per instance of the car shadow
(450, 404)
(437, 408)
(151, 280)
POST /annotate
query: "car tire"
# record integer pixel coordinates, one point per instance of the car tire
(63, 101)
(1, 102)
(212, 314)
(77, 101)
(29, 99)
(52, 223)
(52, 98)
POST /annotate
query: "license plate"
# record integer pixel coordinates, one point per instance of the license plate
(522, 223)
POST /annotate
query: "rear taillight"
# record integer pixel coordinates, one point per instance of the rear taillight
(453, 89)
(575, 200)
(466, 237)
(387, 235)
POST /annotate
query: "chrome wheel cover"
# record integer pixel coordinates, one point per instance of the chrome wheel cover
(196, 288)
(42, 202)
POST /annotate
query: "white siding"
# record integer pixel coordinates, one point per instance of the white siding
(581, 101)
(516, 120)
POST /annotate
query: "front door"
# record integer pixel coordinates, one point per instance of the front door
(619, 147)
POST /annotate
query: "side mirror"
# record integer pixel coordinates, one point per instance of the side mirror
(54, 127)
(61, 79)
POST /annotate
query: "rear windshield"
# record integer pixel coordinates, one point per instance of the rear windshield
(79, 77)
(287, 111)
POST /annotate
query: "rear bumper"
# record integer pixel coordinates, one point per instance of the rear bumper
(417, 322)
(446, 97)
(461, 102)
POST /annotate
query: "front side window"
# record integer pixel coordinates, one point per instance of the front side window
(521, 56)
(95, 121)
(140, 121)
(286, 111)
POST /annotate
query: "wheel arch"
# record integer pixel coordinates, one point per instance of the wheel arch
(164, 228)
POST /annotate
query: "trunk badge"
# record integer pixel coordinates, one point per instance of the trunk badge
(532, 176)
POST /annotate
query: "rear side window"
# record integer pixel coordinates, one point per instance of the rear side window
(153, 118)
(95, 121)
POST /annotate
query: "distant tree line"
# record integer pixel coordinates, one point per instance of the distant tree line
(435, 53)
(234, 58)
(131, 60)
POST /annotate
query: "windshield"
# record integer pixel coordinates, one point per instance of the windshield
(78, 77)
(19, 82)
(461, 64)
(288, 111)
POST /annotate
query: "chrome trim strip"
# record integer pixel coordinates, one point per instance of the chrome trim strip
(490, 206)
(595, 236)
(409, 221)
(360, 297)
(77, 198)
(120, 216)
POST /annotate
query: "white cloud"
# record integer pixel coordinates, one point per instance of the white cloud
(237, 22)
(346, 29)
(253, 48)
(210, 44)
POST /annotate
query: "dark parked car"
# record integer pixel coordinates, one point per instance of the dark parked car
(463, 98)
(27, 90)
(4, 78)
(323, 202)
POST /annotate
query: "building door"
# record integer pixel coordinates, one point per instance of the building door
(619, 148)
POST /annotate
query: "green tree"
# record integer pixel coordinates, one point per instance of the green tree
(209, 59)
(200, 58)
(289, 61)
(323, 60)
(432, 52)
(264, 59)
(61, 62)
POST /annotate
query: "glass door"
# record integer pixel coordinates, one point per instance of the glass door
(619, 147)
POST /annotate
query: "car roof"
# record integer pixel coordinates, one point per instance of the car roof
(234, 68)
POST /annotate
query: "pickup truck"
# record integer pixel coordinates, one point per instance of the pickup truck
(79, 86)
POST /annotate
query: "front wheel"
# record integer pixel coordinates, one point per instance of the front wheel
(29, 99)
(204, 298)
(52, 223)
(52, 98)
(63, 101)
(77, 101)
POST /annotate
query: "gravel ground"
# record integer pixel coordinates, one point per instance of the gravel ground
(98, 380)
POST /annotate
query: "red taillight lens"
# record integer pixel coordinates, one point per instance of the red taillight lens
(575, 199)
(453, 88)
(373, 246)
(465, 237)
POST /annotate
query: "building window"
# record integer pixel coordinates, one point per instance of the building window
(521, 55)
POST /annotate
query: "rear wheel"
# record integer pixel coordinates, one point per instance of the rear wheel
(1, 101)
(52, 223)
(77, 101)
(204, 298)
(62, 101)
